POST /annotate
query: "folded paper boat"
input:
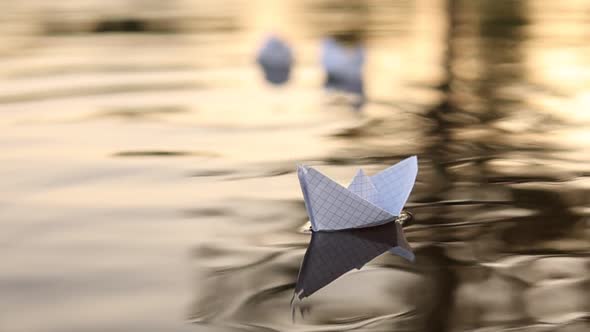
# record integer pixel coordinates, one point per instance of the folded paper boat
(353, 225)
(368, 201)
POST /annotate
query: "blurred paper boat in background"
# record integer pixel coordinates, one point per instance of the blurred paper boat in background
(343, 66)
(276, 59)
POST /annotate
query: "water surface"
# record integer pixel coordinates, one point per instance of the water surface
(148, 171)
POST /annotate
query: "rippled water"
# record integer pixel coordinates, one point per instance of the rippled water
(148, 178)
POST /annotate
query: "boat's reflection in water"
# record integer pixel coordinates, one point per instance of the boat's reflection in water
(332, 254)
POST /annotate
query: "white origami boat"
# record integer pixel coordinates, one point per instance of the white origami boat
(368, 200)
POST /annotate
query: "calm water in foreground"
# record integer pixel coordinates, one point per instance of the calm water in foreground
(148, 179)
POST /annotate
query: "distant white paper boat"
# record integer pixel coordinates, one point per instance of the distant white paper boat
(276, 59)
(368, 200)
(343, 66)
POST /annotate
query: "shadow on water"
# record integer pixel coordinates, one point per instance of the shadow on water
(331, 254)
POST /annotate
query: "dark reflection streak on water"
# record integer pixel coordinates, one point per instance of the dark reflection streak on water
(271, 173)
(132, 25)
(268, 293)
(455, 203)
(547, 253)
(138, 112)
(401, 265)
(351, 319)
(73, 69)
(210, 173)
(514, 180)
(379, 319)
(354, 323)
(483, 158)
(553, 208)
(302, 245)
(400, 106)
(137, 25)
(501, 28)
(417, 228)
(385, 159)
(256, 328)
(208, 212)
(164, 153)
(99, 91)
(364, 320)
(262, 260)
(439, 316)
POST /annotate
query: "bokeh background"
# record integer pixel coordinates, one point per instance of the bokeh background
(147, 168)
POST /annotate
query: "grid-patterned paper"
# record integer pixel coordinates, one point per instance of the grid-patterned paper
(395, 184)
(368, 201)
(363, 186)
(333, 207)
